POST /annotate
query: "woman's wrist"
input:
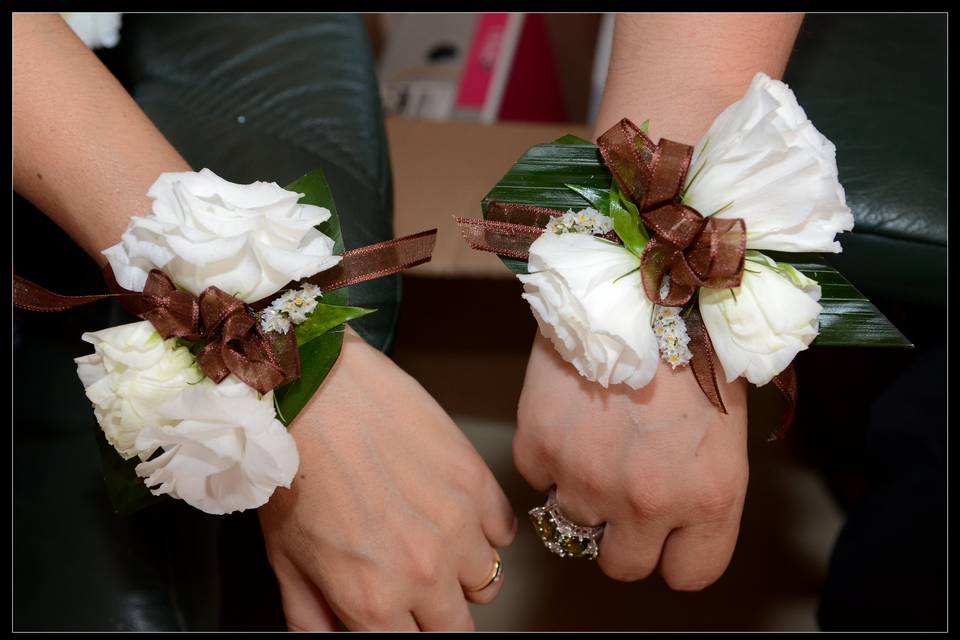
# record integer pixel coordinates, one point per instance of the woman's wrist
(680, 87)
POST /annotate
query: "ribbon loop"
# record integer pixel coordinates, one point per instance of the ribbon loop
(173, 313)
(695, 251)
(668, 170)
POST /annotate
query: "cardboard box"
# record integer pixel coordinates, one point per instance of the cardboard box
(444, 169)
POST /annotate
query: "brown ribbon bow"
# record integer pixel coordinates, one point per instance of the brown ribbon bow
(235, 342)
(695, 251)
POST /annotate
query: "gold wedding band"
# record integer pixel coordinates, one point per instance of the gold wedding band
(495, 574)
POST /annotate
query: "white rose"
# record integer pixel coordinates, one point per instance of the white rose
(131, 373)
(765, 159)
(226, 451)
(597, 316)
(249, 240)
(758, 328)
(101, 29)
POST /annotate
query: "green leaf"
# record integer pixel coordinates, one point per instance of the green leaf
(848, 319)
(626, 222)
(319, 353)
(317, 357)
(599, 199)
(571, 139)
(126, 490)
(325, 317)
(627, 228)
(541, 178)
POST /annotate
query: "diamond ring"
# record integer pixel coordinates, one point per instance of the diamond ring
(565, 538)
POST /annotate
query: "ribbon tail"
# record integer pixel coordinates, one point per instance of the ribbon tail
(786, 383)
(704, 362)
(502, 238)
(376, 261)
(32, 297)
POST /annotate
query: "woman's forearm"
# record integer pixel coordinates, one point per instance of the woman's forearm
(681, 70)
(84, 152)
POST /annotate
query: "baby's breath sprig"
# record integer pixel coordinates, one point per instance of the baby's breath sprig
(587, 220)
(291, 308)
(671, 331)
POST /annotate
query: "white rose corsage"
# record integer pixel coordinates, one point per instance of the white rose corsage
(712, 261)
(243, 305)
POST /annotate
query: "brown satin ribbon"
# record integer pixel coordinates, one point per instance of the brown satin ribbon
(502, 238)
(703, 361)
(695, 251)
(510, 229)
(235, 342)
(786, 383)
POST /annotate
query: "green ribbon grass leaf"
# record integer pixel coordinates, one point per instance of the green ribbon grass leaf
(325, 317)
(599, 199)
(541, 177)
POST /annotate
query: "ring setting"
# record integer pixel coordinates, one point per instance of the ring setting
(562, 536)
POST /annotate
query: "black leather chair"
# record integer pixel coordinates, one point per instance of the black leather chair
(875, 420)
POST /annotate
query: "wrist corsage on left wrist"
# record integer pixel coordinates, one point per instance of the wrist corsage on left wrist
(242, 294)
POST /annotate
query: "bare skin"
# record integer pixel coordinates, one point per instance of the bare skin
(393, 512)
(660, 466)
(393, 509)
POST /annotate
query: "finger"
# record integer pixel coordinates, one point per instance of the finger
(496, 517)
(401, 621)
(695, 556)
(531, 463)
(629, 550)
(481, 574)
(578, 507)
(304, 606)
(445, 610)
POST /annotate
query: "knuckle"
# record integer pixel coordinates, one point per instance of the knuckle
(527, 414)
(589, 477)
(372, 607)
(720, 497)
(647, 500)
(716, 505)
(425, 564)
(529, 461)
(534, 442)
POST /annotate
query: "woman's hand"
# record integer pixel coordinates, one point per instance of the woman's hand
(393, 513)
(664, 469)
